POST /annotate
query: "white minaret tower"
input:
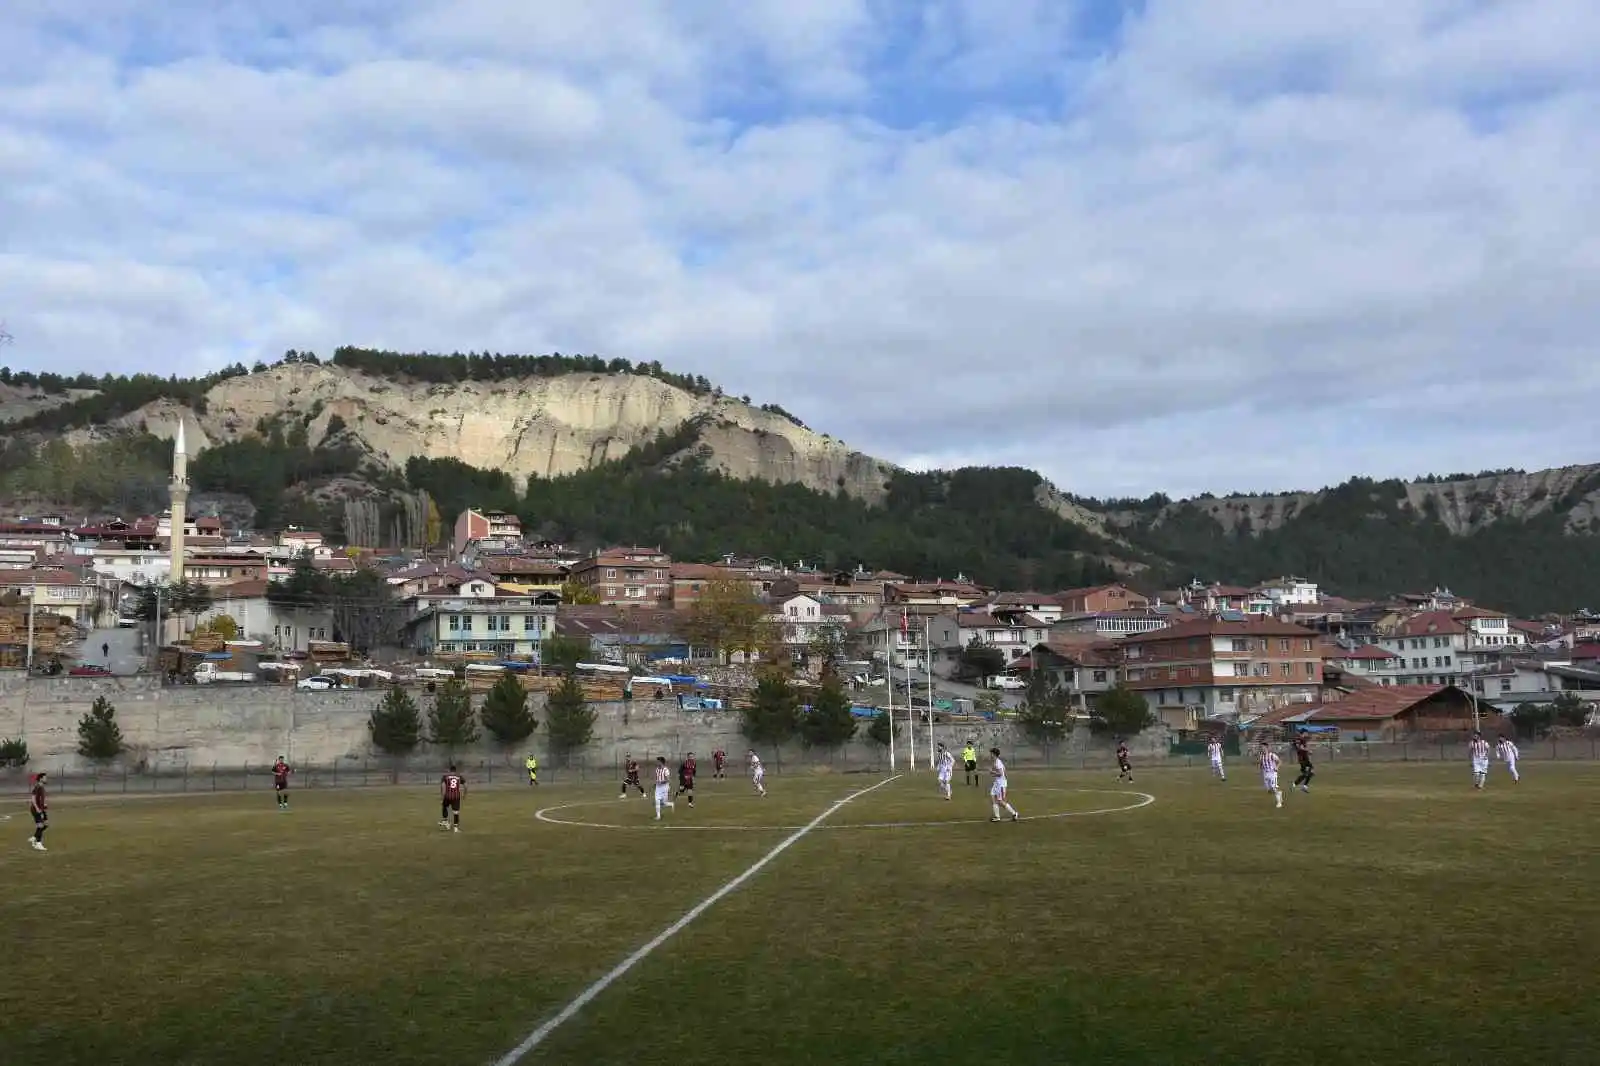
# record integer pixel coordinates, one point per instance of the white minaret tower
(180, 501)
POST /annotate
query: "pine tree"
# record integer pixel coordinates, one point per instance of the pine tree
(829, 724)
(881, 728)
(1045, 714)
(395, 724)
(13, 753)
(450, 720)
(1122, 712)
(99, 736)
(569, 720)
(505, 711)
(774, 712)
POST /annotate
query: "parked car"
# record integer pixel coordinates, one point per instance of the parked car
(89, 670)
(212, 674)
(318, 683)
(1006, 681)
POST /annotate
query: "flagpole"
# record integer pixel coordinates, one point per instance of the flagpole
(911, 712)
(927, 655)
(888, 677)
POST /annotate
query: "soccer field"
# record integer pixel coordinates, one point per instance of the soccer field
(1395, 915)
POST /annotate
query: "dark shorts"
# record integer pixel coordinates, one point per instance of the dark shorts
(971, 764)
(1305, 766)
(40, 817)
(686, 783)
(633, 779)
(450, 804)
(1124, 764)
(282, 785)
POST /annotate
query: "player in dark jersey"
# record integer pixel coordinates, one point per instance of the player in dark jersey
(280, 782)
(1302, 753)
(451, 788)
(719, 759)
(630, 767)
(1124, 767)
(39, 807)
(686, 772)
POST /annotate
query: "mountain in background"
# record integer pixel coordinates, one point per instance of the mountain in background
(378, 446)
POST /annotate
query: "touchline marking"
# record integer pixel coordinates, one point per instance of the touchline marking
(1141, 799)
(584, 998)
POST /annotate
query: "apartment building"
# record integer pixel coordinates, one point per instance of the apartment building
(1222, 668)
(627, 577)
(1098, 599)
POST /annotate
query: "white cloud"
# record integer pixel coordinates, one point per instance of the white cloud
(1218, 246)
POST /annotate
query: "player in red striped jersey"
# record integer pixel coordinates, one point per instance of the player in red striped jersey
(1507, 749)
(451, 789)
(1124, 766)
(686, 771)
(630, 767)
(663, 786)
(1302, 754)
(1269, 771)
(1479, 750)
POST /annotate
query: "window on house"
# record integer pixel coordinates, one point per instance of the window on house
(1100, 675)
(530, 623)
(634, 592)
(453, 622)
(611, 574)
(1288, 669)
(1283, 644)
(1447, 660)
(1505, 684)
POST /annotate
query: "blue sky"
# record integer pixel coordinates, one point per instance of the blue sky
(1144, 246)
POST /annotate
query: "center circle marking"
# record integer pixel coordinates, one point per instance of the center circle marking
(1141, 799)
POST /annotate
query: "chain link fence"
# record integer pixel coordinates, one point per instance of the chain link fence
(509, 772)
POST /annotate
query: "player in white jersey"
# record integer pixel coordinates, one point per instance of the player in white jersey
(758, 773)
(663, 786)
(1508, 755)
(945, 763)
(1269, 772)
(1479, 750)
(1214, 752)
(997, 790)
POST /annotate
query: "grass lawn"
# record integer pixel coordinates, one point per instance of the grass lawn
(1393, 916)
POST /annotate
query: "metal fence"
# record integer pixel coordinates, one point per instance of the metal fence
(509, 772)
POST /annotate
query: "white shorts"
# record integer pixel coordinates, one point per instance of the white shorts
(758, 776)
(1480, 766)
(1216, 764)
(944, 777)
(998, 789)
(662, 793)
(1269, 778)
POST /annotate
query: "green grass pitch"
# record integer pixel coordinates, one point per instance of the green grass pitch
(1395, 915)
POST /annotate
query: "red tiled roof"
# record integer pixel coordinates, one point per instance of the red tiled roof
(1366, 651)
(1384, 701)
(17, 578)
(239, 590)
(1430, 623)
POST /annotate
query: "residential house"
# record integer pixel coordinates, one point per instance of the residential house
(257, 618)
(627, 577)
(804, 620)
(528, 572)
(1098, 599)
(58, 592)
(1289, 592)
(1111, 625)
(217, 570)
(1083, 669)
(1210, 599)
(42, 538)
(507, 627)
(1442, 647)
(948, 594)
(689, 580)
(132, 565)
(860, 595)
(1367, 661)
(898, 638)
(1047, 606)
(1013, 635)
(1222, 668)
(1515, 681)
(632, 635)
(474, 527)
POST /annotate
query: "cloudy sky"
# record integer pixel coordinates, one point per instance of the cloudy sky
(1167, 245)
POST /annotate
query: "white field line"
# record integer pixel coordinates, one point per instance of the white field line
(584, 998)
(1140, 799)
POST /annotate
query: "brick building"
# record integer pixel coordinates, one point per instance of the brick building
(1218, 668)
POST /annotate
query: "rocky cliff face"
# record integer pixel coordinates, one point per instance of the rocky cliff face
(532, 427)
(1464, 506)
